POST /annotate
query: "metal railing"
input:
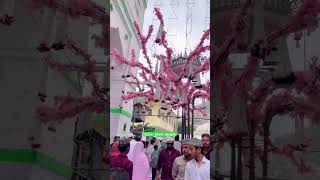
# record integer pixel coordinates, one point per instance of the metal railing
(280, 6)
(182, 61)
(219, 5)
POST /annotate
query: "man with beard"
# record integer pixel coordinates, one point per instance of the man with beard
(206, 145)
(199, 167)
(165, 161)
(179, 164)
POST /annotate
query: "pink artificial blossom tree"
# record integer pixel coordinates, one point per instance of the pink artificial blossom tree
(166, 86)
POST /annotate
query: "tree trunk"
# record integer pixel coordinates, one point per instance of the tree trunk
(183, 124)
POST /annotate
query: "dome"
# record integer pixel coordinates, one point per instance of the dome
(203, 128)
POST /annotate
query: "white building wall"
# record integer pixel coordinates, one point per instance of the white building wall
(22, 75)
(40, 173)
(15, 171)
(124, 13)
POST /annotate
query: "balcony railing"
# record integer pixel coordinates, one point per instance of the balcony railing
(219, 5)
(182, 61)
(280, 6)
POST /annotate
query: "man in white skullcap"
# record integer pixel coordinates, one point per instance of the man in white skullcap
(179, 164)
(199, 167)
(137, 138)
(130, 136)
(165, 161)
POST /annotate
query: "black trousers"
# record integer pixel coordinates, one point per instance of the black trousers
(154, 173)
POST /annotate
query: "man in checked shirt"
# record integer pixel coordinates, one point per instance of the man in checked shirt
(179, 164)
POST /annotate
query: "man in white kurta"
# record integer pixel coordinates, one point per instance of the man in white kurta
(137, 138)
(150, 149)
(199, 167)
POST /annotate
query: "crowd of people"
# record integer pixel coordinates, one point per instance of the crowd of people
(162, 159)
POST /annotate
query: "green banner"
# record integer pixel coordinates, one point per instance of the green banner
(160, 134)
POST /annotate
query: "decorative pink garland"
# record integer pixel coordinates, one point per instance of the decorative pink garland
(7, 20)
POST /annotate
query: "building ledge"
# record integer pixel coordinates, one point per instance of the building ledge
(37, 158)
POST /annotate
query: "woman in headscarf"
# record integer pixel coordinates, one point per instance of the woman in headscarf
(141, 168)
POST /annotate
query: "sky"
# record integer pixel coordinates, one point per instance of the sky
(175, 19)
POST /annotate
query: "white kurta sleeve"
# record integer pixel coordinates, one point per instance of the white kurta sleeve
(186, 173)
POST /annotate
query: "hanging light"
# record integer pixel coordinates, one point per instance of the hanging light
(58, 46)
(199, 86)
(42, 97)
(52, 128)
(35, 145)
(43, 48)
